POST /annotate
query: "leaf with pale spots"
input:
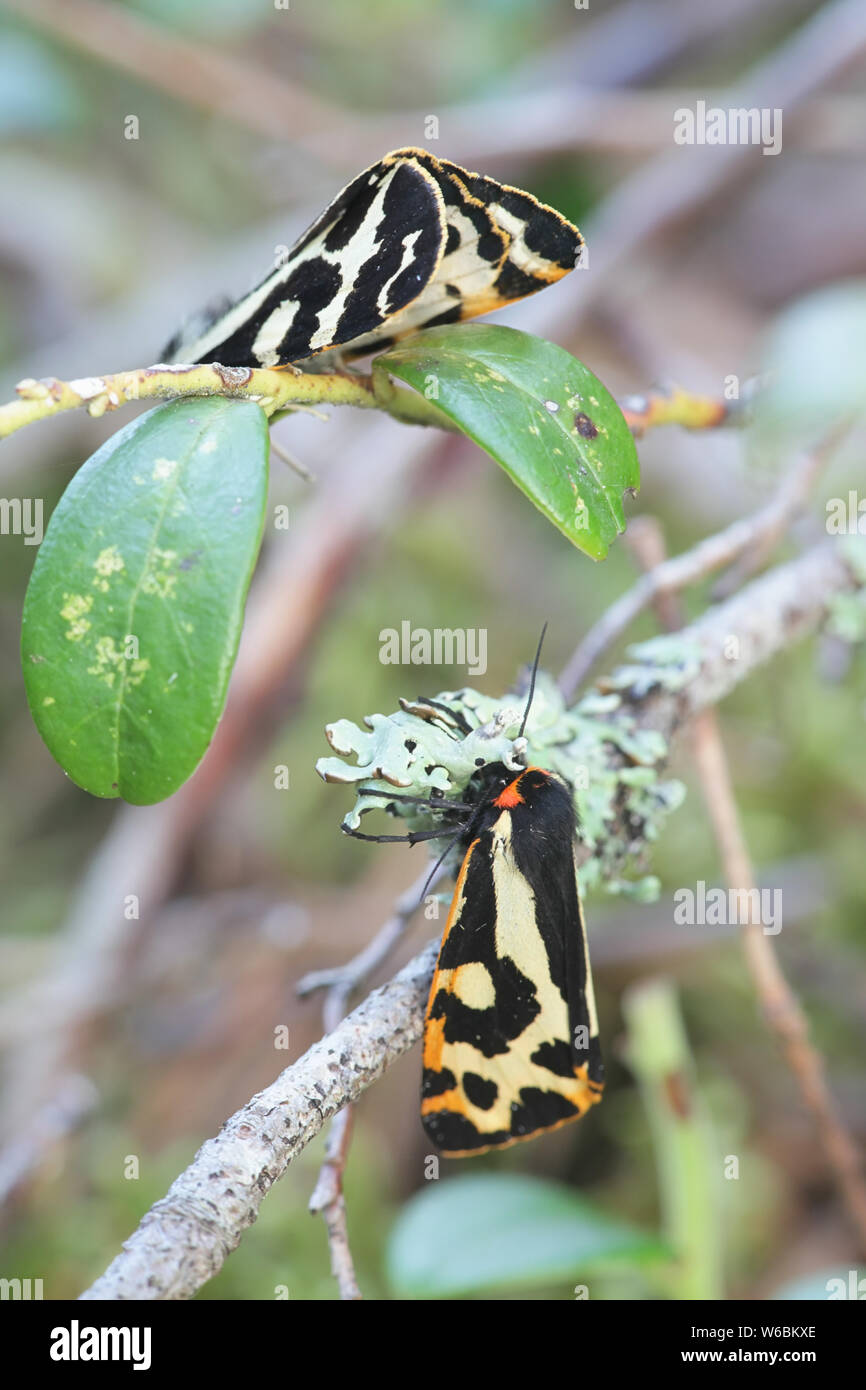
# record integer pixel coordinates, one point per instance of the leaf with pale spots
(134, 609)
(536, 410)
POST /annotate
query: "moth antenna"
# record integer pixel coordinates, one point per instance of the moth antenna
(457, 715)
(532, 680)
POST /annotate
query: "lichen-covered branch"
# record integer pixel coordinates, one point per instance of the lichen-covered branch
(185, 1238)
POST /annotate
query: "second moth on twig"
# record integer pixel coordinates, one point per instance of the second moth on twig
(511, 1038)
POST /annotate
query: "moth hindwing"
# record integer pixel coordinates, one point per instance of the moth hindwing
(511, 1043)
(413, 241)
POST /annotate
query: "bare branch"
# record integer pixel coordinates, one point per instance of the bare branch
(287, 388)
(342, 981)
(283, 388)
(186, 1236)
(783, 1012)
(329, 1202)
(327, 1199)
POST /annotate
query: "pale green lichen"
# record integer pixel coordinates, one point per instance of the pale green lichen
(662, 663)
(425, 747)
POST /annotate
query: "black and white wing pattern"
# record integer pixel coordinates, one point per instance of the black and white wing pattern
(411, 242)
(368, 256)
(502, 244)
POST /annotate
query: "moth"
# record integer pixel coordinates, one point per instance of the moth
(412, 242)
(511, 1039)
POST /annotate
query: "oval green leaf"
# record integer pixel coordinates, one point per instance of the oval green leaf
(134, 609)
(498, 1231)
(539, 412)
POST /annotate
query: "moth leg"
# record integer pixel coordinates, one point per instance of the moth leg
(341, 366)
(433, 802)
(413, 838)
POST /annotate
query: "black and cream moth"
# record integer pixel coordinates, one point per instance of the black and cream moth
(413, 241)
(511, 1044)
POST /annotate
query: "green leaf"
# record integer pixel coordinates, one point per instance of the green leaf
(134, 609)
(536, 410)
(497, 1231)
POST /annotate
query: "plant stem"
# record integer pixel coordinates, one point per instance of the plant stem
(272, 390)
(686, 1160)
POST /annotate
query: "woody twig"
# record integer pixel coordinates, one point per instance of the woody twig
(327, 1199)
(764, 528)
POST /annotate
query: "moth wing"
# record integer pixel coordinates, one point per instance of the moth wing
(475, 250)
(502, 244)
(543, 245)
(499, 1061)
(368, 256)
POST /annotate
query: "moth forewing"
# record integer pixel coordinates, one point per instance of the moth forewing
(511, 1035)
(363, 260)
(412, 242)
(579, 942)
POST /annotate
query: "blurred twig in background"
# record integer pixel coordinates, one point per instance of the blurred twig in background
(669, 577)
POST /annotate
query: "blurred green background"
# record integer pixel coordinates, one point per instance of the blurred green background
(138, 1038)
